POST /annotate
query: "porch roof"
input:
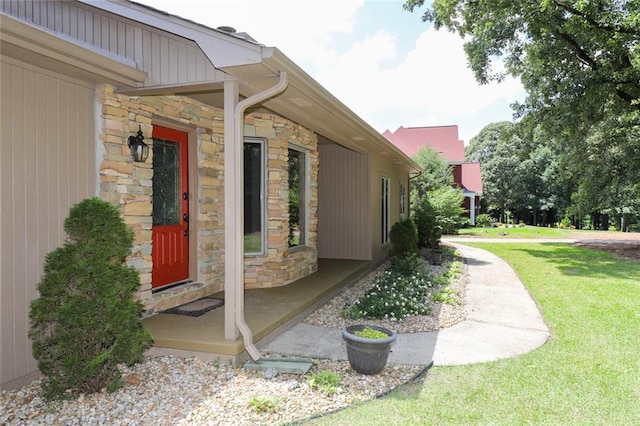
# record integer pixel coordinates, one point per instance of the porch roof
(257, 67)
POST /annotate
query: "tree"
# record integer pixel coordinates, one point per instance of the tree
(436, 205)
(579, 61)
(497, 148)
(537, 173)
(605, 179)
(484, 145)
(435, 173)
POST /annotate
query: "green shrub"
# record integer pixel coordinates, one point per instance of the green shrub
(447, 205)
(401, 291)
(446, 295)
(429, 232)
(264, 404)
(438, 213)
(565, 223)
(404, 238)
(324, 380)
(86, 320)
(410, 265)
(484, 221)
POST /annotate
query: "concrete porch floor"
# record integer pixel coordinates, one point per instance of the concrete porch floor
(268, 312)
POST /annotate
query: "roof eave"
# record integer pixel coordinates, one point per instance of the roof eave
(39, 46)
(363, 131)
(222, 48)
(247, 61)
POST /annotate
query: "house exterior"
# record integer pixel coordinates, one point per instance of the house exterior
(234, 128)
(444, 140)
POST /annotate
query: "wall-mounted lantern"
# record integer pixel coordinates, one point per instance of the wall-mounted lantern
(139, 149)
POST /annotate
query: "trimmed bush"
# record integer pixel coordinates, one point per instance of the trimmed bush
(86, 320)
(404, 238)
(484, 221)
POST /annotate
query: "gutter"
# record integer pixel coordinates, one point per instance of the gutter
(274, 59)
(238, 122)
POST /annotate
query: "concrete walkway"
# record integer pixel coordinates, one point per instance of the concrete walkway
(502, 321)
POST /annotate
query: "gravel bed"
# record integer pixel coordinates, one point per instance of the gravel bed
(188, 391)
(441, 316)
(175, 391)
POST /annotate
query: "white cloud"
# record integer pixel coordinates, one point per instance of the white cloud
(433, 80)
(429, 85)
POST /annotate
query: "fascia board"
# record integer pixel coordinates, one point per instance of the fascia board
(222, 49)
(275, 60)
(60, 48)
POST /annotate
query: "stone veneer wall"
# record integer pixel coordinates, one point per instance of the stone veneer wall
(129, 185)
(281, 264)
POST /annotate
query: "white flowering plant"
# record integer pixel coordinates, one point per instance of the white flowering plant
(401, 291)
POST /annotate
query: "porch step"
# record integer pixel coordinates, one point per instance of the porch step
(281, 365)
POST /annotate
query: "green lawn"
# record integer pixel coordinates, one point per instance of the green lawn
(532, 232)
(587, 374)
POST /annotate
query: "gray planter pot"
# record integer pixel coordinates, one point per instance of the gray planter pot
(367, 356)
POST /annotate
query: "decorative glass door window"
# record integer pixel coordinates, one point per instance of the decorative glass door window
(166, 182)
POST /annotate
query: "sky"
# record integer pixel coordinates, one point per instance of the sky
(381, 61)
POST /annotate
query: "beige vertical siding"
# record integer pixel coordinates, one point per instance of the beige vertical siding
(381, 166)
(47, 163)
(344, 230)
(167, 58)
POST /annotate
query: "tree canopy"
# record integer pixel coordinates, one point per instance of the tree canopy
(436, 205)
(540, 185)
(497, 148)
(579, 62)
(435, 172)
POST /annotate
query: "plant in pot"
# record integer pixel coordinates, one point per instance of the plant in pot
(400, 291)
(368, 347)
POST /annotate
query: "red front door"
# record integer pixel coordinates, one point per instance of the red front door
(170, 231)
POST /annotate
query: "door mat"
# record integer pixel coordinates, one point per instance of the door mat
(197, 307)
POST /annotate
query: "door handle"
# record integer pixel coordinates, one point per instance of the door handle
(185, 218)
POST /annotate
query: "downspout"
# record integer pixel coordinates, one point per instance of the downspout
(238, 117)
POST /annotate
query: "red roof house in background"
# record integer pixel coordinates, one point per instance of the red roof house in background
(444, 139)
